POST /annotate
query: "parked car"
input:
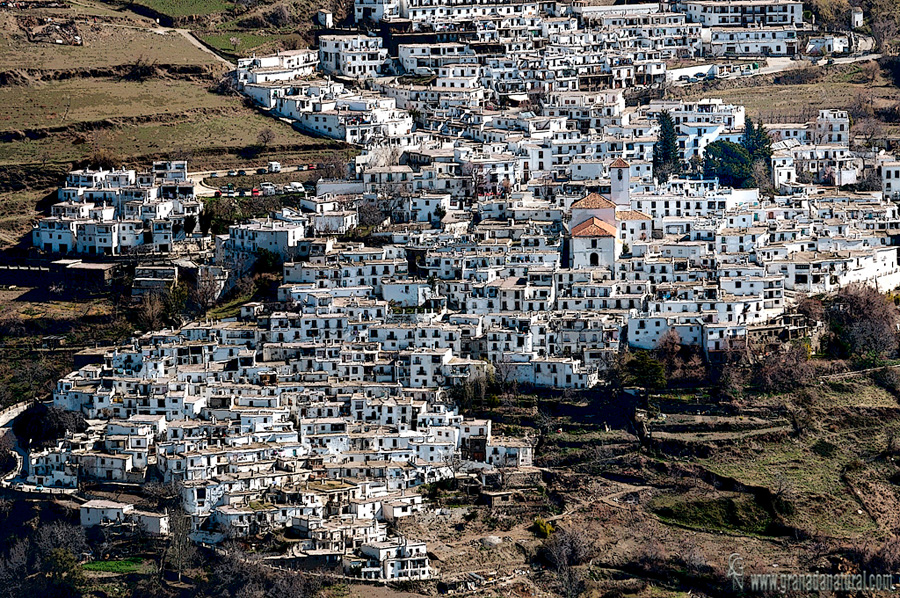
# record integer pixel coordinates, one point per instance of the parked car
(232, 173)
(254, 192)
(18, 486)
(242, 173)
(242, 192)
(217, 194)
(274, 166)
(214, 175)
(262, 171)
(39, 488)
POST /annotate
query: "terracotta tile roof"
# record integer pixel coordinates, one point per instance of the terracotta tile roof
(594, 227)
(594, 201)
(619, 163)
(632, 215)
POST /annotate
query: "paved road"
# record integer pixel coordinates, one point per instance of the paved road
(6, 419)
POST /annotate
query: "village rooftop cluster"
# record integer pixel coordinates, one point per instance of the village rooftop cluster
(517, 232)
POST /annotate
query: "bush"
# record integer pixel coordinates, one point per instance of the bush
(823, 448)
(888, 379)
(542, 528)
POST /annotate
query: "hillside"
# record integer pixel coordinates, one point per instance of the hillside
(110, 82)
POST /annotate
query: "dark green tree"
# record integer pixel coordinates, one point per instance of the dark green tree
(644, 371)
(190, 224)
(666, 156)
(205, 222)
(757, 142)
(64, 574)
(267, 261)
(729, 162)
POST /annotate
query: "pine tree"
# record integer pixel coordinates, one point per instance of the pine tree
(666, 156)
(759, 147)
(747, 137)
(756, 141)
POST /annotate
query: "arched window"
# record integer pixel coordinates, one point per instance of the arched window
(595, 259)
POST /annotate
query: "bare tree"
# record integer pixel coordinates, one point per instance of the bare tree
(280, 16)
(870, 70)
(668, 350)
(811, 308)
(865, 320)
(867, 131)
(180, 552)
(762, 178)
(235, 42)
(475, 179)
(265, 137)
(152, 312)
(206, 292)
(369, 214)
(566, 549)
(60, 535)
(569, 547)
(504, 369)
(334, 166)
(244, 286)
(785, 370)
(885, 23)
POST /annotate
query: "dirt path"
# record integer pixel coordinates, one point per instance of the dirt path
(188, 35)
(185, 33)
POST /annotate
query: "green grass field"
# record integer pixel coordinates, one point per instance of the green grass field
(129, 565)
(249, 42)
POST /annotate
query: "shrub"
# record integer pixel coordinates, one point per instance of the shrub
(542, 528)
(888, 379)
